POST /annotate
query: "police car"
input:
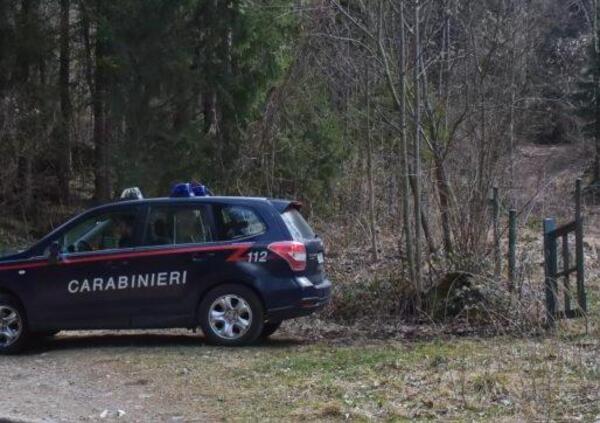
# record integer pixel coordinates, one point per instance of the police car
(234, 266)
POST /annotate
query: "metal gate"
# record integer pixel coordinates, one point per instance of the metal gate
(552, 236)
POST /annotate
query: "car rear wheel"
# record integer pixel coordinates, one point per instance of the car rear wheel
(269, 329)
(231, 315)
(13, 326)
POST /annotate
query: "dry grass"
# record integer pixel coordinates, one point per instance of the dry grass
(456, 379)
(158, 377)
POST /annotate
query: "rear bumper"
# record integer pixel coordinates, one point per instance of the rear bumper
(312, 299)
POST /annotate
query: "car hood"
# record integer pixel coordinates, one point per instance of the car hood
(10, 255)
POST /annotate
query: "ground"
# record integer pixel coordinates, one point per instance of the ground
(315, 370)
(174, 376)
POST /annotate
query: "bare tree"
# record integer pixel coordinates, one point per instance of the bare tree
(404, 159)
(370, 176)
(417, 143)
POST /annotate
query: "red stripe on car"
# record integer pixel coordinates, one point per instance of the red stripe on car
(239, 250)
(239, 254)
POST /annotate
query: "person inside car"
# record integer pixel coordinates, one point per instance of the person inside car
(190, 228)
(124, 232)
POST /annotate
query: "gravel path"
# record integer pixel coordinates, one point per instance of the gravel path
(92, 376)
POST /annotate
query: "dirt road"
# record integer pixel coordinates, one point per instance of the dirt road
(139, 376)
(172, 376)
(126, 376)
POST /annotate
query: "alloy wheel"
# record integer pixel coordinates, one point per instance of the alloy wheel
(11, 325)
(230, 316)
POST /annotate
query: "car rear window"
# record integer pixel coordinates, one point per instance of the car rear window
(240, 222)
(297, 226)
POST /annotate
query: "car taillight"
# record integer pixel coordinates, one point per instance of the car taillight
(293, 252)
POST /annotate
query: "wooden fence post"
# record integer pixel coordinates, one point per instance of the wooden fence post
(496, 223)
(581, 298)
(512, 249)
(550, 268)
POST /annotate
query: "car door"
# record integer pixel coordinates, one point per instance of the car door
(178, 256)
(87, 287)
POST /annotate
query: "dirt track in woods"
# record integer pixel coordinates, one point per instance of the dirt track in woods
(111, 376)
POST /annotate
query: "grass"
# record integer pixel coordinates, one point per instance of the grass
(456, 379)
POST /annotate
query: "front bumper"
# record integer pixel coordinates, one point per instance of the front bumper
(312, 299)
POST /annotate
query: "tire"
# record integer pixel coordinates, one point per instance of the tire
(13, 321)
(231, 315)
(269, 329)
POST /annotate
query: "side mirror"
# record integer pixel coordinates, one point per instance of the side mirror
(54, 253)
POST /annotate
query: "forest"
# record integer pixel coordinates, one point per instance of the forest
(391, 119)
(427, 140)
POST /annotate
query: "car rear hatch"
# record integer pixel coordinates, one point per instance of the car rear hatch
(302, 232)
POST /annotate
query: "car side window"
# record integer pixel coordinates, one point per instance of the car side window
(178, 225)
(240, 222)
(106, 231)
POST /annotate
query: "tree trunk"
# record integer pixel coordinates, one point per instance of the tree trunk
(23, 63)
(442, 183)
(211, 123)
(596, 94)
(443, 188)
(372, 222)
(216, 58)
(21, 76)
(65, 166)
(405, 183)
(424, 224)
(417, 150)
(101, 133)
(25, 194)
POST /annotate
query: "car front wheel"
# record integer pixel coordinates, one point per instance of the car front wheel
(13, 326)
(231, 315)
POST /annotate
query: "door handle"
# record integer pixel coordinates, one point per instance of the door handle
(117, 264)
(200, 258)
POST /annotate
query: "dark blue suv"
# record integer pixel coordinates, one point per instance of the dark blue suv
(234, 266)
